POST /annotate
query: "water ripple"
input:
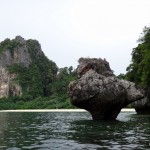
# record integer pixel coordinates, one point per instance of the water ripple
(73, 131)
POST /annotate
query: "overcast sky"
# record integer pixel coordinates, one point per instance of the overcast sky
(70, 29)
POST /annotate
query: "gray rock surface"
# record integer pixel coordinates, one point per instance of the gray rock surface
(99, 65)
(98, 91)
(142, 106)
(19, 56)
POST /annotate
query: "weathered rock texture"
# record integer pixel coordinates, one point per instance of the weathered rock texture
(20, 55)
(98, 91)
(7, 84)
(143, 106)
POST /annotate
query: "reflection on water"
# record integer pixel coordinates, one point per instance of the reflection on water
(72, 131)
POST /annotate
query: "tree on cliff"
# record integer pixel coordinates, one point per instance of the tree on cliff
(139, 69)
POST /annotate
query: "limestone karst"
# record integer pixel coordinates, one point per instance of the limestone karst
(98, 91)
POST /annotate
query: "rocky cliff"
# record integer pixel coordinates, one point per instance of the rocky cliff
(21, 68)
(10, 56)
(98, 90)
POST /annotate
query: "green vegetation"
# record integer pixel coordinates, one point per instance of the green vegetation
(8, 44)
(33, 90)
(65, 75)
(139, 69)
(36, 80)
(27, 102)
(121, 76)
(47, 69)
(44, 86)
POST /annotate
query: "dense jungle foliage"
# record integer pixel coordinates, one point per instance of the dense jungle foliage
(139, 69)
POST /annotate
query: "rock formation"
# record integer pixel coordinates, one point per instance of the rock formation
(143, 106)
(24, 69)
(19, 55)
(98, 91)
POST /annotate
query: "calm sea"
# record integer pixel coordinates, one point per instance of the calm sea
(72, 131)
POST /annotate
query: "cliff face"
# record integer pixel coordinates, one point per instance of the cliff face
(20, 67)
(20, 55)
(7, 86)
(16, 55)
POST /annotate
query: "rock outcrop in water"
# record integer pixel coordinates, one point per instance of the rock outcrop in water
(98, 91)
(143, 106)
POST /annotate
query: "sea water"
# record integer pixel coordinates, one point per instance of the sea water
(72, 131)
